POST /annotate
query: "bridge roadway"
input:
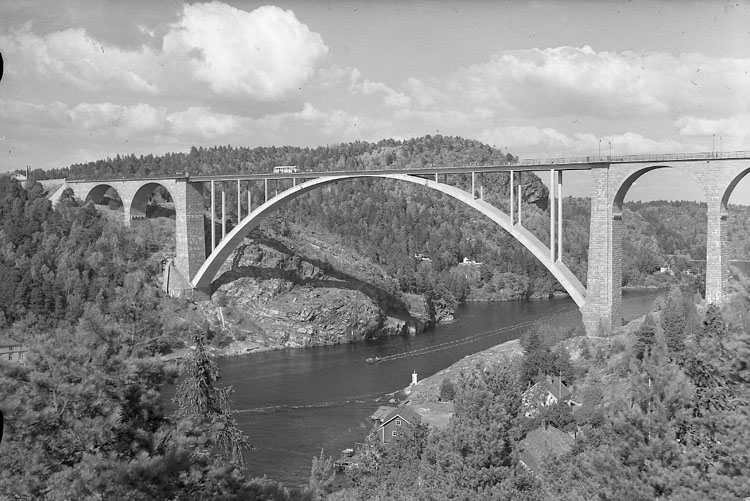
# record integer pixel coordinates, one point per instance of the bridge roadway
(523, 165)
(600, 301)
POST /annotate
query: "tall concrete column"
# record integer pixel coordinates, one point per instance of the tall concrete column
(512, 193)
(559, 215)
(190, 235)
(127, 212)
(717, 256)
(603, 309)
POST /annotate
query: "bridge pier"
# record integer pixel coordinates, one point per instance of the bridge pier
(190, 239)
(603, 309)
(717, 255)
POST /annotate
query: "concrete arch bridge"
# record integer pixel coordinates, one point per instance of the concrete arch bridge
(200, 256)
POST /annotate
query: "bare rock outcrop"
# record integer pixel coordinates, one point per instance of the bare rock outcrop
(271, 297)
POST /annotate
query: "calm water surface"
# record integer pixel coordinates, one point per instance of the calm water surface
(292, 403)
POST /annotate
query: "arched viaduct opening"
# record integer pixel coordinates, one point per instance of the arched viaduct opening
(105, 196)
(735, 203)
(662, 233)
(205, 275)
(152, 200)
(149, 205)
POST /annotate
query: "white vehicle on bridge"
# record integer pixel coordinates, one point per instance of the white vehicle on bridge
(285, 169)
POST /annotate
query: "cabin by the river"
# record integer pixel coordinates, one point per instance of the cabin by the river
(396, 422)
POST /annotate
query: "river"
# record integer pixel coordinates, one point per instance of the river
(291, 403)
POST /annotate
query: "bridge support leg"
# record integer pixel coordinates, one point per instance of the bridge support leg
(552, 207)
(717, 256)
(223, 213)
(213, 215)
(603, 309)
(512, 190)
(190, 237)
(559, 214)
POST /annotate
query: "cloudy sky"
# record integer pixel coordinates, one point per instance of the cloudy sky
(88, 79)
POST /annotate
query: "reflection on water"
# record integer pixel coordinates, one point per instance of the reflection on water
(292, 403)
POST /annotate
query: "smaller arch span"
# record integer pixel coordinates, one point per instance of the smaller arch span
(731, 186)
(97, 194)
(627, 183)
(142, 196)
(203, 278)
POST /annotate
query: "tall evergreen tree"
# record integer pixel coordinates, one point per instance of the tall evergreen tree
(673, 322)
(199, 399)
(645, 338)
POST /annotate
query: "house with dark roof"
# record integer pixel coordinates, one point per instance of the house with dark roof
(12, 350)
(548, 391)
(395, 422)
(381, 412)
(542, 443)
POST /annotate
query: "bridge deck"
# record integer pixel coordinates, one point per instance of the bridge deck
(525, 165)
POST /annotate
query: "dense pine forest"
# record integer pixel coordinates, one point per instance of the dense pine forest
(84, 415)
(661, 414)
(665, 407)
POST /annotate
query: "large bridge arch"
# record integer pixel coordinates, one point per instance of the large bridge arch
(205, 275)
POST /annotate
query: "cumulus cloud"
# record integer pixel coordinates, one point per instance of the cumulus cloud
(137, 118)
(733, 132)
(71, 56)
(367, 87)
(555, 143)
(19, 113)
(581, 81)
(264, 53)
(200, 121)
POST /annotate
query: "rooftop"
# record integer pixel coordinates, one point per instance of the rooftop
(404, 413)
(542, 442)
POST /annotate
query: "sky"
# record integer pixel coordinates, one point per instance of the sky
(90, 79)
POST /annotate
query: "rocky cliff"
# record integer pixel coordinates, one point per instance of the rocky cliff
(274, 294)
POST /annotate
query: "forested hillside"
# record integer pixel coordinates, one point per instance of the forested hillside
(84, 415)
(658, 412)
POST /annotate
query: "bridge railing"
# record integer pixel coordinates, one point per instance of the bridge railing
(665, 157)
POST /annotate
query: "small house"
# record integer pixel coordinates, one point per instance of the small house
(12, 350)
(395, 422)
(548, 391)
